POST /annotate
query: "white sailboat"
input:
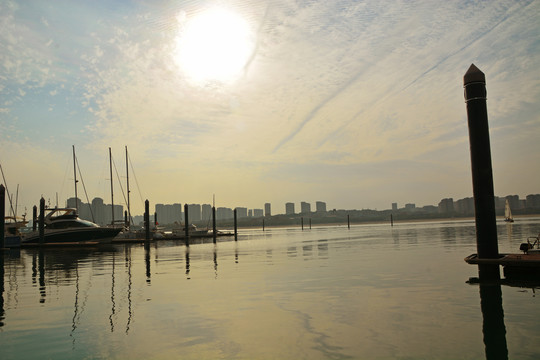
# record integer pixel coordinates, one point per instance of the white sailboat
(508, 213)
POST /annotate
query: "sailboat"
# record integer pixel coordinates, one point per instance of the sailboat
(508, 213)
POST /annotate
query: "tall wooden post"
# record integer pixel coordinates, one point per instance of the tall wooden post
(147, 222)
(186, 222)
(214, 228)
(348, 221)
(41, 221)
(3, 215)
(302, 221)
(34, 218)
(155, 219)
(482, 175)
(235, 226)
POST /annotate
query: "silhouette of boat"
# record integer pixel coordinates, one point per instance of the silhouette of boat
(63, 225)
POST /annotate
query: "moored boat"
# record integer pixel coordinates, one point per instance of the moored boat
(63, 225)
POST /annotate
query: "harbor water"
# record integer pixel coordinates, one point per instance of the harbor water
(373, 291)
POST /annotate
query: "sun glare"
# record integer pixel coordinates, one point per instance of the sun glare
(214, 45)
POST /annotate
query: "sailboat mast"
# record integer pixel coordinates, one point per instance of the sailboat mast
(127, 177)
(112, 195)
(75, 177)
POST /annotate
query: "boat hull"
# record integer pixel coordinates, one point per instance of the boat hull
(101, 234)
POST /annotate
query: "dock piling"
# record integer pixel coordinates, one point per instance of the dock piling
(146, 222)
(41, 221)
(235, 226)
(186, 222)
(214, 228)
(348, 222)
(474, 83)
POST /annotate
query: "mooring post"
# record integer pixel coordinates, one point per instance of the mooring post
(214, 228)
(309, 223)
(302, 222)
(34, 218)
(348, 222)
(391, 220)
(474, 83)
(235, 226)
(3, 215)
(155, 219)
(186, 222)
(126, 219)
(263, 223)
(147, 222)
(41, 221)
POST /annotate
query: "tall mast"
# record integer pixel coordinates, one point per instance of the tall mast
(112, 196)
(127, 176)
(75, 177)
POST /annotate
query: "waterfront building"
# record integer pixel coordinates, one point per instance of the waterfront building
(223, 213)
(464, 206)
(320, 207)
(394, 207)
(289, 208)
(241, 212)
(194, 212)
(250, 213)
(258, 213)
(532, 201)
(446, 206)
(267, 210)
(305, 208)
(206, 212)
(169, 213)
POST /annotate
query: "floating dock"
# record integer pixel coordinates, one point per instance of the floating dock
(514, 265)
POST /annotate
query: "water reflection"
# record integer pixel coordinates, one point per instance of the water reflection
(493, 326)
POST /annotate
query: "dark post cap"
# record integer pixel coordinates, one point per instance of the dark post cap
(473, 75)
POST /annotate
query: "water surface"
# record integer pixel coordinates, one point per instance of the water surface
(368, 292)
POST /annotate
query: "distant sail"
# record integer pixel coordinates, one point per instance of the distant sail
(507, 212)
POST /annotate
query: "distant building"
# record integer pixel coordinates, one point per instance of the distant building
(206, 212)
(97, 212)
(305, 208)
(446, 206)
(289, 208)
(241, 212)
(194, 212)
(320, 207)
(394, 206)
(410, 206)
(532, 201)
(223, 213)
(168, 213)
(257, 212)
(464, 206)
(250, 213)
(267, 209)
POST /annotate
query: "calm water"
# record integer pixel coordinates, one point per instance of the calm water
(371, 292)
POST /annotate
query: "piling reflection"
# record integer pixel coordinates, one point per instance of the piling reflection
(493, 326)
(147, 263)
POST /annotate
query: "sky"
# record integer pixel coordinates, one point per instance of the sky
(355, 103)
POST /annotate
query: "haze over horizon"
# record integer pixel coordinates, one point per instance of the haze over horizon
(357, 104)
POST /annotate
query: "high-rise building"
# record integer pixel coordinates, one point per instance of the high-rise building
(267, 209)
(257, 212)
(446, 206)
(206, 212)
(320, 206)
(223, 213)
(241, 212)
(194, 212)
(394, 206)
(289, 208)
(305, 208)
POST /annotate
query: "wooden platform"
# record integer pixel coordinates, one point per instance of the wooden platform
(522, 260)
(63, 244)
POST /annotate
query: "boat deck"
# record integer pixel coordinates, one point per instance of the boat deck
(522, 260)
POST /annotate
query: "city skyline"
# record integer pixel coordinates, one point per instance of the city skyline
(250, 101)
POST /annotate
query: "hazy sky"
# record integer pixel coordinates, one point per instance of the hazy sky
(355, 103)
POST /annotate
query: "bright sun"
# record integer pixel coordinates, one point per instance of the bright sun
(214, 45)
